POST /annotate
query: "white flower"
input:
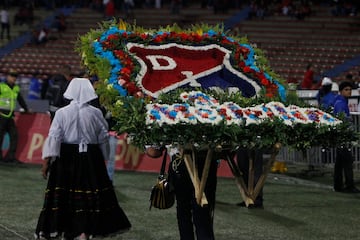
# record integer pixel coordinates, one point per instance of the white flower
(206, 109)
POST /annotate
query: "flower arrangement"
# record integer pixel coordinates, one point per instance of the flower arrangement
(198, 86)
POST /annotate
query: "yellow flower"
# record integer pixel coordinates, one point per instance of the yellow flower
(119, 103)
(109, 87)
(122, 25)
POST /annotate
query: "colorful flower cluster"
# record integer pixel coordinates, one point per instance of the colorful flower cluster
(201, 108)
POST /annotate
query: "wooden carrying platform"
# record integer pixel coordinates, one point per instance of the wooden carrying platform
(248, 192)
(199, 184)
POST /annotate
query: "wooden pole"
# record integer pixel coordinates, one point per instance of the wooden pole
(204, 174)
(193, 173)
(250, 191)
(251, 154)
(261, 181)
(239, 180)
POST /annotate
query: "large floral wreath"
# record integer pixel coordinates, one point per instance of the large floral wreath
(199, 86)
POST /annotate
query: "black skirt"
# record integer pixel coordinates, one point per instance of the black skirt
(79, 197)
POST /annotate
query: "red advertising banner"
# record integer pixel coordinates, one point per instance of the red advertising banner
(33, 130)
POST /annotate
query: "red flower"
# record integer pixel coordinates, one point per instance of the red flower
(119, 54)
(222, 112)
(197, 38)
(205, 115)
(241, 64)
(172, 35)
(158, 39)
(264, 81)
(225, 41)
(182, 108)
(244, 51)
(257, 113)
(271, 90)
(247, 69)
(184, 36)
(125, 72)
(113, 37)
(270, 114)
(131, 88)
(239, 112)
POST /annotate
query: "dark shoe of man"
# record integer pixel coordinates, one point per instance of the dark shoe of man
(13, 161)
(351, 190)
(241, 204)
(338, 189)
(256, 204)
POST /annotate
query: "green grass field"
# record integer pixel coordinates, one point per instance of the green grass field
(295, 208)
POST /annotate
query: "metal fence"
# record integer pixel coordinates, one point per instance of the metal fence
(320, 158)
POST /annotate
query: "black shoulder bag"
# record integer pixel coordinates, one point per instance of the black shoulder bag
(162, 194)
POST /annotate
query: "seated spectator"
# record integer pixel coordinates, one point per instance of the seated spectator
(261, 10)
(302, 10)
(253, 9)
(220, 6)
(308, 81)
(325, 96)
(59, 23)
(25, 14)
(286, 7)
(128, 8)
(58, 26)
(43, 35)
(35, 87)
(96, 5)
(109, 12)
(346, 8)
(39, 36)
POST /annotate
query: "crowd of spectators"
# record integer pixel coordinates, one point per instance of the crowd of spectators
(24, 14)
(300, 9)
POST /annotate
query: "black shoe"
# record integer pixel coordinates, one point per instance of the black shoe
(13, 161)
(241, 204)
(351, 190)
(338, 190)
(256, 206)
(251, 206)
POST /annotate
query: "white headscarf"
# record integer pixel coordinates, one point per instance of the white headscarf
(80, 90)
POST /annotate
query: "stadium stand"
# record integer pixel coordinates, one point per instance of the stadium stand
(28, 58)
(330, 43)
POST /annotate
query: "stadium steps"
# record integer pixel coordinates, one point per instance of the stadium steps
(194, 14)
(48, 57)
(290, 44)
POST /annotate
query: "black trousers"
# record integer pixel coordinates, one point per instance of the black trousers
(343, 168)
(7, 125)
(5, 27)
(191, 216)
(242, 158)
